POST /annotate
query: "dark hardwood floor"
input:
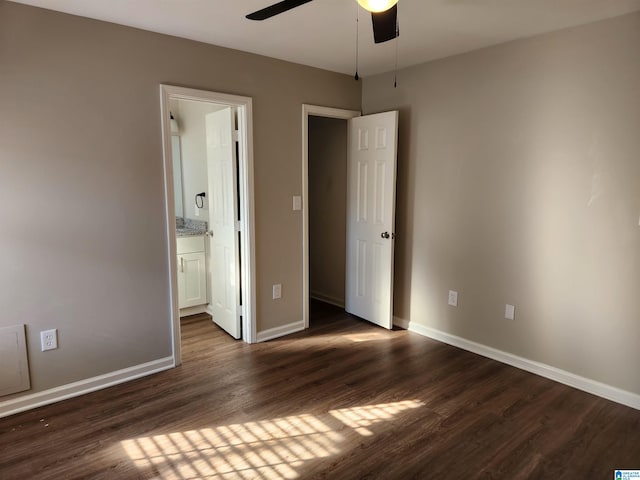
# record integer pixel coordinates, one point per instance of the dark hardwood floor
(343, 400)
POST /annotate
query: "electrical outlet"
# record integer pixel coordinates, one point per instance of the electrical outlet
(49, 339)
(277, 291)
(453, 298)
(509, 312)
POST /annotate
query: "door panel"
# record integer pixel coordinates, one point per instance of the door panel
(363, 178)
(223, 242)
(371, 180)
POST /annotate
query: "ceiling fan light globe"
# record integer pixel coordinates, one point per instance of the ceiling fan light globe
(377, 5)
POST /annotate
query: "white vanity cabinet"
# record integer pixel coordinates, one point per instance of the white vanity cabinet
(192, 281)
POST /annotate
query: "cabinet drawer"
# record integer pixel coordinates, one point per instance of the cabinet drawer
(189, 244)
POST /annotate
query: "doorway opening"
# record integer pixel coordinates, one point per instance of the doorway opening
(208, 159)
(324, 173)
(327, 209)
(371, 159)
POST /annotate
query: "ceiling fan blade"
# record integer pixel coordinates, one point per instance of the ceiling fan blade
(276, 9)
(385, 25)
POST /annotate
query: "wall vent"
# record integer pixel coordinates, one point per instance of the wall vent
(14, 371)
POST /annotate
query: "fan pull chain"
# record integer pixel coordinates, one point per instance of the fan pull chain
(395, 72)
(357, 38)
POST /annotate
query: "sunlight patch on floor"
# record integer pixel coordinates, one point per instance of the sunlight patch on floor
(265, 449)
(359, 418)
(366, 337)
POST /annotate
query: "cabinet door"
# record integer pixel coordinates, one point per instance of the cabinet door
(192, 289)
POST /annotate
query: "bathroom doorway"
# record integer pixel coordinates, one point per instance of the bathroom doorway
(209, 206)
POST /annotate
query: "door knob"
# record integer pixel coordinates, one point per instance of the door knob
(385, 235)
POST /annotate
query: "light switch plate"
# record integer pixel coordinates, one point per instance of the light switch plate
(277, 291)
(509, 312)
(297, 202)
(453, 298)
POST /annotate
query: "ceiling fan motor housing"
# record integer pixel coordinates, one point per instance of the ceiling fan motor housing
(384, 15)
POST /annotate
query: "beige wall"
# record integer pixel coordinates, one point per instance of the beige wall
(83, 246)
(519, 182)
(327, 208)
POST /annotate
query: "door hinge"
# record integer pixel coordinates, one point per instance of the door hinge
(240, 310)
(235, 135)
(238, 226)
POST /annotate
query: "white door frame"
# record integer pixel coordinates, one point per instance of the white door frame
(316, 111)
(245, 175)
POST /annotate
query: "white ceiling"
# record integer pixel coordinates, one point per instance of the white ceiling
(322, 33)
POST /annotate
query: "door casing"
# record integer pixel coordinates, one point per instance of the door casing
(247, 211)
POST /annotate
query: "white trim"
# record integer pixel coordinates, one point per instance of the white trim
(594, 387)
(330, 299)
(170, 210)
(244, 107)
(75, 389)
(185, 312)
(319, 112)
(247, 233)
(281, 331)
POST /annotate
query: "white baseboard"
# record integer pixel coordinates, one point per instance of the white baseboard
(75, 389)
(330, 299)
(276, 332)
(185, 312)
(594, 387)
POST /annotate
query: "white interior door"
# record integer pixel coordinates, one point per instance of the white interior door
(371, 184)
(223, 215)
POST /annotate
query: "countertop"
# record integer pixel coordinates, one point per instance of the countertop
(189, 232)
(186, 227)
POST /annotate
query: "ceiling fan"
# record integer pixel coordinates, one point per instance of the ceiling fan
(384, 15)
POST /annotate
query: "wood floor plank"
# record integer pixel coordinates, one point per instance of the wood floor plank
(342, 400)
